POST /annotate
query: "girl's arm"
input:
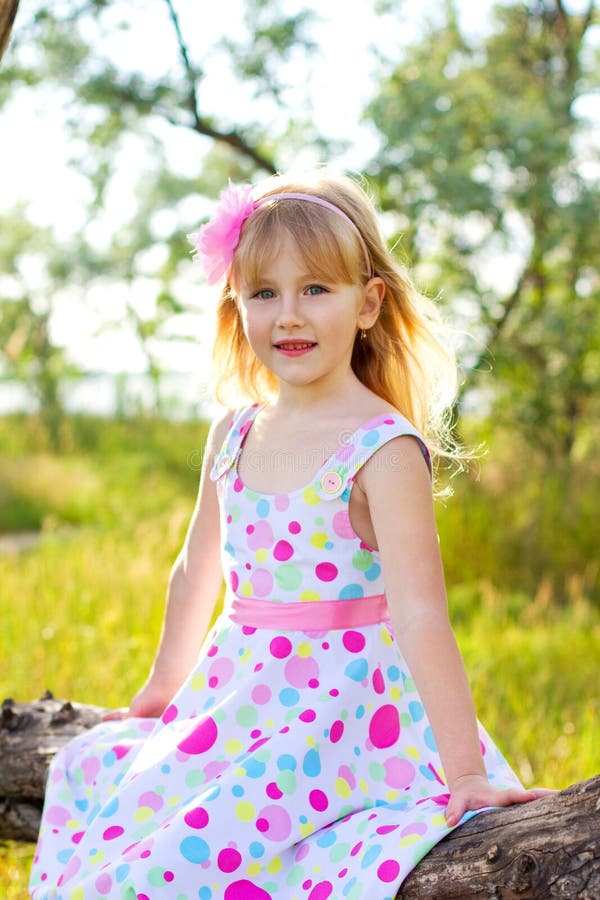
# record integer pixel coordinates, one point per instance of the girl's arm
(398, 489)
(193, 589)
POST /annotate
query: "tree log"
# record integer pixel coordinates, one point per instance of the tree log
(8, 11)
(540, 850)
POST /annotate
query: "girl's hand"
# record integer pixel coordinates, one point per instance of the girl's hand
(149, 703)
(472, 792)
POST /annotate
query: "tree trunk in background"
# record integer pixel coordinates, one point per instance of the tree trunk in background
(8, 11)
(548, 848)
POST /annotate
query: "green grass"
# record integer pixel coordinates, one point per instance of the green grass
(81, 611)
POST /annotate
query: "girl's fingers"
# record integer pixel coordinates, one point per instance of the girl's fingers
(115, 714)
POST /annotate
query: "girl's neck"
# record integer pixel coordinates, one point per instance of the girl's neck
(321, 399)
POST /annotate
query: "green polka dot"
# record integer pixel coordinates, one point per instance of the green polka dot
(376, 771)
(338, 852)
(219, 716)
(288, 577)
(234, 512)
(295, 876)
(156, 877)
(286, 782)
(194, 778)
(246, 716)
(362, 560)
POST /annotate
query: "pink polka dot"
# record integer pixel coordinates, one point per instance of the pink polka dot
(356, 848)
(234, 581)
(294, 528)
(220, 672)
(342, 526)
(419, 828)
(388, 871)
(283, 551)
(386, 829)
(151, 799)
(103, 883)
(399, 773)
(282, 501)
(384, 727)
(353, 641)
(169, 714)
(58, 815)
(262, 582)
(245, 890)
(378, 682)
(196, 818)
(336, 731)
(326, 571)
(300, 671)
(90, 768)
(238, 485)
(318, 800)
(261, 537)
(278, 823)
(321, 891)
(273, 792)
(201, 739)
(302, 852)
(77, 836)
(113, 832)
(307, 715)
(261, 694)
(229, 860)
(70, 870)
(169, 876)
(120, 750)
(348, 775)
(280, 647)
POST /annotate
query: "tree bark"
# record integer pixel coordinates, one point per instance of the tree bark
(8, 11)
(540, 850)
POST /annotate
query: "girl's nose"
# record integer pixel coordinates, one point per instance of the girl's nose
(289, 313)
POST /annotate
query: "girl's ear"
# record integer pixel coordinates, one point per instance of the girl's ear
(373, 298)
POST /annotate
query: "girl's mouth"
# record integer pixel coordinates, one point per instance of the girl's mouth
(294, 348)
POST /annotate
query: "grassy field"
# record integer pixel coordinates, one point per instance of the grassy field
(81, 610)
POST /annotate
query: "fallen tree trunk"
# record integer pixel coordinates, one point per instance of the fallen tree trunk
(545, 849)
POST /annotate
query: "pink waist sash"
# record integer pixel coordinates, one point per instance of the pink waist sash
(318, 615)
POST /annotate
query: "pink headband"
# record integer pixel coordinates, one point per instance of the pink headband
(216, 241)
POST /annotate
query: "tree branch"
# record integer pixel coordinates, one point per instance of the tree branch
(548, 848)
(8, 11)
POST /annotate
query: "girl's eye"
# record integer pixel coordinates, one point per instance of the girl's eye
(315, 289)
(265, 294)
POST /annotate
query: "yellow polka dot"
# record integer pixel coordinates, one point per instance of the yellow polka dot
(174, 801)
(254, 868)
(98, 857)
(245, 811)
(246, 589)
(316, 870)
(143, 813)
(261, 555)
(409, 840)
(73, 824)
(307, 828)
(363, 785)
(386, 637)
(304, 649)
(241, 772)
(77, 894)
(412, 752)
(342, 788)
(198, 681)
(319, 539)
(391, 796)
(310, 741)
(234, 746)
(275, 865)
(309, 596)
(438, 819)
(245, 657)
(310, 496)
(269, 723)
(395, 693)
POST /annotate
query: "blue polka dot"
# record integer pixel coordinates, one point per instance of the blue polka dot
(346, 495)
(373, 572)
(329, 545)
(429, 739)
(237, 790)
(311, 765)
(194, 849)
(357, 669)
(427, 773)
(213, 793)
(263, 508)
(121, 873)
(289, 697)
(82, 805)
(357, 751)
(254, 768)
(370, 437)
(303, 820)
(256, 850)
(204, 893)
(65, 855)
(350, 591)
(327, 839)
(165, 769)
(393, 673)
(286, 762)
(349, 887)
(110, 808)
(416, 711)
(370, 856)
(360, 711)
(229, 548)
(109, 759)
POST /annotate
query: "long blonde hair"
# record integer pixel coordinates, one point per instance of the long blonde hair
(406, 358)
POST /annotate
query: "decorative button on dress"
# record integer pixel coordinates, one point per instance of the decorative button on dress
(296, 762)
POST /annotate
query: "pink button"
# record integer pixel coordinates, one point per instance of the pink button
(331, 482)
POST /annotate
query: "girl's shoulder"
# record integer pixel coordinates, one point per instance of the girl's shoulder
(226, 436)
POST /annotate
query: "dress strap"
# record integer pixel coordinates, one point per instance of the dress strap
(337, 473)
(232, 445)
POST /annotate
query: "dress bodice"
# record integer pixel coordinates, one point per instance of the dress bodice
(300, 546)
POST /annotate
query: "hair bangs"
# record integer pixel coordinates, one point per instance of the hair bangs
(326, 245)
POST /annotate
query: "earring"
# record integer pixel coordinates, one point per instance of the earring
(363, 334)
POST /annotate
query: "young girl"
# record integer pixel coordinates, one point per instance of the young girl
(322, 739)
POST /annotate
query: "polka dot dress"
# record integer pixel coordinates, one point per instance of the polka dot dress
(293, 764)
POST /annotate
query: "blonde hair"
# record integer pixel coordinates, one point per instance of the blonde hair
(406, 358)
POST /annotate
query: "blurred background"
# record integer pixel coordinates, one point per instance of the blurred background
(477, 127)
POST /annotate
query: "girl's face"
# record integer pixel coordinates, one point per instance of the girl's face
(301, 327)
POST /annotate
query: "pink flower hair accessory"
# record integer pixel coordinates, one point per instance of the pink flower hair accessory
(216, 241)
